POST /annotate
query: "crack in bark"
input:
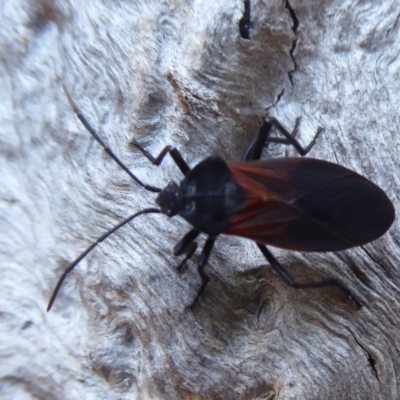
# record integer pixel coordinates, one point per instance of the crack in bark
(370, 359)
(392, 27)
(278, 98)
(294, 42)
(245, 25)
(361, 276)
(375, 261)
(335, 155)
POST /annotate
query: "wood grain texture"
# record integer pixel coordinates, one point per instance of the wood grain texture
(179, 73)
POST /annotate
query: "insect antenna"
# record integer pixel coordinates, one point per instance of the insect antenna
(105, 147)
(92, 246)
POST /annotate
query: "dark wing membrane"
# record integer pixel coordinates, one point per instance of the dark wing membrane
(307, 205)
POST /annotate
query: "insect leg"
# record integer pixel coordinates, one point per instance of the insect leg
(288, 278)
(205, 254)
(106, 148)
(91, 247)
(175, 154)
(254, 150)
(190, 250)
(291, 137)
(186, 245)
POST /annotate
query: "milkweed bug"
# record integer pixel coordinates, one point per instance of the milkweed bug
(301, 204)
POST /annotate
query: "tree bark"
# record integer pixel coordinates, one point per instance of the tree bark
(184, 74)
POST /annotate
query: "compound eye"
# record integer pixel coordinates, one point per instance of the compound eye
(190, 207)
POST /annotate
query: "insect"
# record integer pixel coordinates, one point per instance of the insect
(301, 204)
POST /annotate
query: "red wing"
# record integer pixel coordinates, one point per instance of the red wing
(307, 205)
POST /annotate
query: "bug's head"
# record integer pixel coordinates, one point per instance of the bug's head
(169, 200)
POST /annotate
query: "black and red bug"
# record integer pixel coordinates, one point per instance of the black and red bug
(299, 204)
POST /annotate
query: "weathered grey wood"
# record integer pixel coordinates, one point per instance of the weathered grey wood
(179, 73)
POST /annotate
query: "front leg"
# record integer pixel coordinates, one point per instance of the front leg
(175, 154)
(188, 245)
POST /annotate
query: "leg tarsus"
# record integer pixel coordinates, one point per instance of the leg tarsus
(326, 283)
(204, 281)
(295, 130)
(190, 250)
